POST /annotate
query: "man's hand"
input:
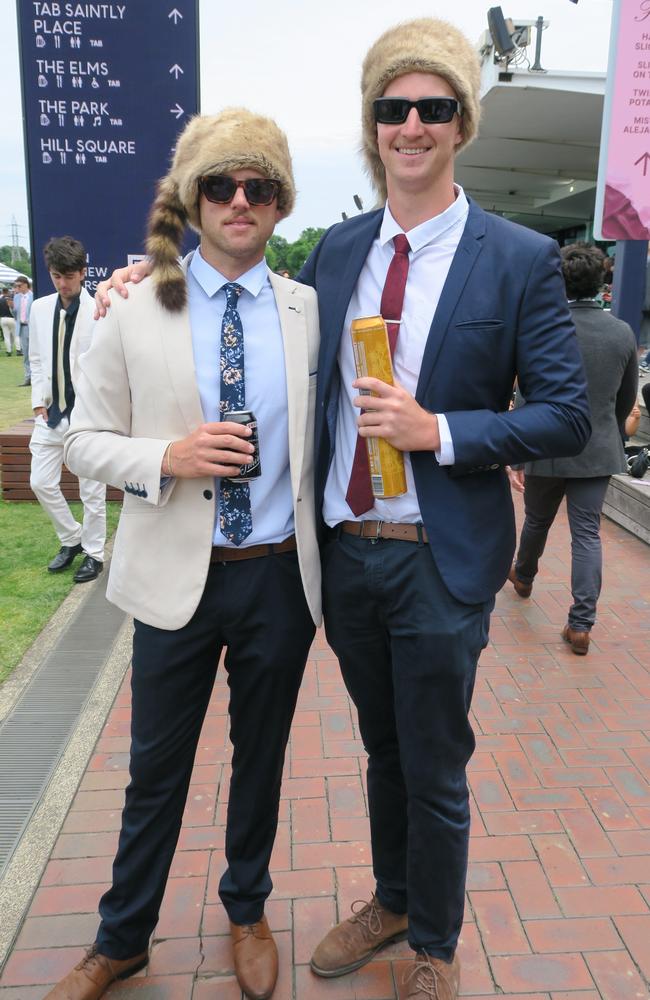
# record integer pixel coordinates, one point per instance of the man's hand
(216, 449)
(118, 280)
(41, 411)
(517, 478)
(392, 413)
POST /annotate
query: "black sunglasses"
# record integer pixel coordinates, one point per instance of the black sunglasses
(220, 189)
(432, 110)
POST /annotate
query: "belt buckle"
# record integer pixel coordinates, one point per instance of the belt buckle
(375, 538)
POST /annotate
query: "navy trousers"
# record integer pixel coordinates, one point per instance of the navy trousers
(408, 652)
(256, 609)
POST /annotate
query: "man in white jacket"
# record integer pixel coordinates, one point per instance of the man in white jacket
(60, 330)
(205, 559)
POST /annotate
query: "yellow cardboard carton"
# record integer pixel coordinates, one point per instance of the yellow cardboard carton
(372, 357)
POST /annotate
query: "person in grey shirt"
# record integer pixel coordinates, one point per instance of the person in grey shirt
(608, 349)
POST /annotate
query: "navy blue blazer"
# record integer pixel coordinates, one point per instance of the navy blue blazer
(502, 314)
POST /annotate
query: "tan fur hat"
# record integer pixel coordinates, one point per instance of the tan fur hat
(232, 140)
(425, 45)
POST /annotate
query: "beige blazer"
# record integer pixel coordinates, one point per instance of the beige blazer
(137, 391)
(41, 320)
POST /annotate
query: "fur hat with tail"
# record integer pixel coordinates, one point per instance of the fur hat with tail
(426, 45)
(215, 144)
(167, 221)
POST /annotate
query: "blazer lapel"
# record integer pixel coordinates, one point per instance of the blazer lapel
(351, 254)
(45, 333)
(82, 335)
(468, 250)
(293, 324)
(86, 306)
(176, 336)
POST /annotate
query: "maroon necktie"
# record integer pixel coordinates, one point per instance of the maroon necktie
(359, 496)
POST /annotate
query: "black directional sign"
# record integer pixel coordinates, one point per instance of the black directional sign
(107, 87)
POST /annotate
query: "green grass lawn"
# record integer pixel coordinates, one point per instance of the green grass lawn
(15, 400)
(29, 595)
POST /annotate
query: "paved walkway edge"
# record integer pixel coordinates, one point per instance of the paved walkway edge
(23, 873)
(12, 688)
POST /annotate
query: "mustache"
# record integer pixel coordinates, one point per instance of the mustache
(240, 214)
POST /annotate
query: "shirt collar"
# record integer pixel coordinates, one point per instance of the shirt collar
(72, 308)
(432, 229)
(212, 281)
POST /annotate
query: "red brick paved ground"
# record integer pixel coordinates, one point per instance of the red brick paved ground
(558, 903)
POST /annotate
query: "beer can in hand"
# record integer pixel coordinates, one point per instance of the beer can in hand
(254, 470)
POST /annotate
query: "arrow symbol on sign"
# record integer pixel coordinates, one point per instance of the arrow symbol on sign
(175, 14)
(646, 159)
(176, 69)
(178, 110)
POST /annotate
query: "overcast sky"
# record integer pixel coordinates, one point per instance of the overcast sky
(300, 61)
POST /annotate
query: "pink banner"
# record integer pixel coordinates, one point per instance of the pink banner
(626, 204)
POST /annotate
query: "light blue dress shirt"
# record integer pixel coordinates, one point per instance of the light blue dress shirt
(266, 387)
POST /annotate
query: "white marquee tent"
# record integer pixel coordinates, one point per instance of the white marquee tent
(8, 274)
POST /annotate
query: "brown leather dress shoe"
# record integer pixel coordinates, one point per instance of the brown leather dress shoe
(521, 588)
(94, 974)
(579, 641)
(356, 940)
(256, 958)
(429, 978)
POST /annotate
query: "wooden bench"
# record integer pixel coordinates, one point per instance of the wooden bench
(15, 462)
(627, 502)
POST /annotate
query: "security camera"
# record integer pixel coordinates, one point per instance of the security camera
(501, 36)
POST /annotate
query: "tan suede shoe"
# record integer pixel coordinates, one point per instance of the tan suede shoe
(428, 978)
(356, 940)
(256, 958)
(94, 974)
(579, 641)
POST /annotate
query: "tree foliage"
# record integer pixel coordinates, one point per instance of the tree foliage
(284, 256)
(276, 253)
(22, 262)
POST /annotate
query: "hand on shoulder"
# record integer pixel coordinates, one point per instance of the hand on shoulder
(119, 280)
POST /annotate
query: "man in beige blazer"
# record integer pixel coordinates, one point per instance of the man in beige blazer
(201, 561)
(61, 327)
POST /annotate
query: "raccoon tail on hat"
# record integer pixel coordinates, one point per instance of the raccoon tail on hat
(166, 228)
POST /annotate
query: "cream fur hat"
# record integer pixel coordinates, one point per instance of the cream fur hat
(214, 144)
(425, 45)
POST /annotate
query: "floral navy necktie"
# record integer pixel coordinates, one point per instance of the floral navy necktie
(235, 519)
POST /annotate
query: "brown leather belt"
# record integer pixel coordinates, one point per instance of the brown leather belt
(222, 554)
(385, 529)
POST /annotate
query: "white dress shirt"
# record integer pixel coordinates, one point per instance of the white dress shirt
(433, 245)
(266, 387)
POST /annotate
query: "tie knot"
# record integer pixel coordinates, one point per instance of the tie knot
(233, 292)
(401, 243)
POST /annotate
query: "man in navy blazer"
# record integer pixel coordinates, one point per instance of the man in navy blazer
(409, 581)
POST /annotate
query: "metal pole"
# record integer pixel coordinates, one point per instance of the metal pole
(628, 292)
(537, 66)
